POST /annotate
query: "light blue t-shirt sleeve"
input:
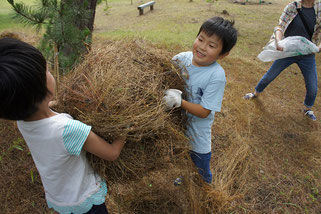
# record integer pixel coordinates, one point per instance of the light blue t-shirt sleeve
(213, 95)
(182, 59)
(214, 90)
(74, 136)
(177, 58)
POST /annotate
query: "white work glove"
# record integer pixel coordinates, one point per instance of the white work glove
(172, 98)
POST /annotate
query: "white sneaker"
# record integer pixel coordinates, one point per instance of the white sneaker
(249, 96)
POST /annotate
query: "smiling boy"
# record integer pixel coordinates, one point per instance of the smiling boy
(205, 83)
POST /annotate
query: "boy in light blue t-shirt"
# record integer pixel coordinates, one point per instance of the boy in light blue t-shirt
(205, 83)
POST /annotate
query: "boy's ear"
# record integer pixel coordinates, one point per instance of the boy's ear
(223, 55)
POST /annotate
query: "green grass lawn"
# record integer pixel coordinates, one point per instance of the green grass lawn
(6, 16)
(176, 22)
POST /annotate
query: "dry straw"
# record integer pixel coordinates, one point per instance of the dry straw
(118, 89)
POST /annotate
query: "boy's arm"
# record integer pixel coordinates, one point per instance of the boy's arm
(99, 147)
(173, 98)
(195, 109)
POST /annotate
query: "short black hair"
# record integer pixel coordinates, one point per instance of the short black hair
(23, 82)
(223, 29)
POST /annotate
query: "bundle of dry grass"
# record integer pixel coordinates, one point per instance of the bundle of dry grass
(14, 34)
(118, 89)
(156, 193)
(7, 34)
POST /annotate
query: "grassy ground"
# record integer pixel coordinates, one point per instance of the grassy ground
(266, 156)
(6, 16)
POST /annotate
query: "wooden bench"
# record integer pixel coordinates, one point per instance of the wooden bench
(141, 7)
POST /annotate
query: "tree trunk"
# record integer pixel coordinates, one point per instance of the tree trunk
(92, 7)
(80, 23)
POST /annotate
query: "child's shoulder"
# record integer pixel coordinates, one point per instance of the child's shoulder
(57, 118)
(183, 59)
(214, 67)
(66, 120)
(60, 118)
(216, 71)
(183, 56)
(56, 124)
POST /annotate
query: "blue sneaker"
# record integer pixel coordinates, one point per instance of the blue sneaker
(310, 114)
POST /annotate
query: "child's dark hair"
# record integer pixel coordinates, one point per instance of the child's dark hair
(23, 82)
(223, 29)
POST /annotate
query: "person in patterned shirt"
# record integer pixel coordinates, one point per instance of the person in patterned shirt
(299, 18)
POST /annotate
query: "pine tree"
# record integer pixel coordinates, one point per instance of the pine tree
(68, 26)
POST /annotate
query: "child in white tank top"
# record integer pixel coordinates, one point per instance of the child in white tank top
(58, 144)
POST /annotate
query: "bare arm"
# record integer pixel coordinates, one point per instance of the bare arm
(99, 147)
(195, 109)
(278, 37)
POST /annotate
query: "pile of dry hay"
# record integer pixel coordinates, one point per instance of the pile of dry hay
(118, 88)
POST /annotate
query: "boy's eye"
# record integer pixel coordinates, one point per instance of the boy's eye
(200, 39)
(212, 46)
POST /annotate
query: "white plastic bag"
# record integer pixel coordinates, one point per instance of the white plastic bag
(292, 46)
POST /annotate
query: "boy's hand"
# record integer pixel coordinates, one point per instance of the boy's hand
(173, 98)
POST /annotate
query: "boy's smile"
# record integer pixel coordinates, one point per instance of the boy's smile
(206, 50)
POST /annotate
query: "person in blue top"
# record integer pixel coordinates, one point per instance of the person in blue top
(205, 83)
(57, 143)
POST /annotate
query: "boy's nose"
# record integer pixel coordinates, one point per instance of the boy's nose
(203, 46)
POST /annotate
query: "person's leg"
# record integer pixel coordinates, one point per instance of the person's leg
(308, 69)
(202, 162)
(98, 209)
(277, 67)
